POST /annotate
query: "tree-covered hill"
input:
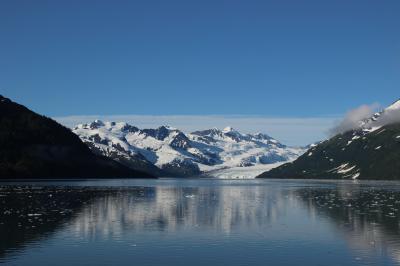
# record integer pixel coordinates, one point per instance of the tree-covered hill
(35, 146)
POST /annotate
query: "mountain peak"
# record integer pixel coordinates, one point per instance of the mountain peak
(176, 153)
(394, 106)
(4, 99)
(166, 127)
(96, 124)
(260, 135)
(228, 129)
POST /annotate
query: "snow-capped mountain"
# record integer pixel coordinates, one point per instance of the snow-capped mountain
(169, 151)
(369, 151)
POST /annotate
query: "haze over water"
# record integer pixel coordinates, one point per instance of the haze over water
(200, 222)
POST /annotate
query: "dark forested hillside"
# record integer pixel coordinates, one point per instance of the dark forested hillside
(351, 155)
(34, 146)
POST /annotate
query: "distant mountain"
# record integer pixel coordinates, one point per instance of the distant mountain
(371, 151)
(167, 151)
(34, 146)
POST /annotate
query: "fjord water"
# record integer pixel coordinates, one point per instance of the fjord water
(200, 222)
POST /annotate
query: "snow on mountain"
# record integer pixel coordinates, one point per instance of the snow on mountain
(368, 151)
(169, 151)
(389, 115)
(394, 106)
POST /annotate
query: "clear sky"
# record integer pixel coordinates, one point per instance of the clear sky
(270, 58)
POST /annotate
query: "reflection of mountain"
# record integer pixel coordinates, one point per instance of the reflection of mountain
(30, 215)
(261, 216)
(172, 209)
(367, 218)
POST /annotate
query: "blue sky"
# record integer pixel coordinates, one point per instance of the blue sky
(265, 58)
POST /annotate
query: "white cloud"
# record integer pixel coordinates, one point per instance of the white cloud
(390, 116)
(290, 131)
(353, 118)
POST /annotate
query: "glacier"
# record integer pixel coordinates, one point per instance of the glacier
(167, 151)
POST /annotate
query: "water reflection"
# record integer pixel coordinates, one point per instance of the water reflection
(273, 220)
(28, 215)
(367, 217)
(171, 209)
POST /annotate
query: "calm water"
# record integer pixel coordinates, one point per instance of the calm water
(200, 222)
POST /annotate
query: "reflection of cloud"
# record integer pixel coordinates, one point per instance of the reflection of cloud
(291, 131)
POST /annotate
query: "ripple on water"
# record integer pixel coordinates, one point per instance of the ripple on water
(205, 221)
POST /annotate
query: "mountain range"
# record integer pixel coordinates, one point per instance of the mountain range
(371, 150)
(35, 146)
(167, 151)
